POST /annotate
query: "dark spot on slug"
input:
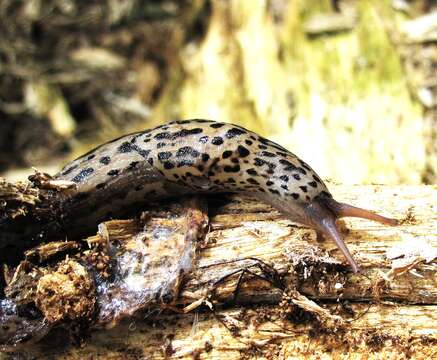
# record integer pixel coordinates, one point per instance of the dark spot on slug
(235, 168)
(243, 151)
(262, 147)
(284, 178)
(303, 188)
(69, 170)
(226, 154)
(296, 176)
(216, 125)
(269, 183)
(217, 140)
(160, 145)
(203, 139)
(200, 167)
(165, 155)
(252, 172)
(92, 156)
(295, 196)
(150, 161)
(274, 191)
(168, 165)
(195, 131)
(313, 184)
(315, 177)
(163, 136)
(187, 151)
(83, 174)
(285, 187)
(205, 157)
(234, 132)
(288, 165)
(252, 181)
(305, 165)
(125, 147)
(100, 186)
(143, 153)
(177, 134)
(113, 172)
(248, 142)
(185, 162)
(259, 162)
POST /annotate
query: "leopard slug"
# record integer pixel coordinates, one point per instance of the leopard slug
(203, 156)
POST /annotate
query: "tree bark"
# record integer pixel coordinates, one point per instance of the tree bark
(297, 298)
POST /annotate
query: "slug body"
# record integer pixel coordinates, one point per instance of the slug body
(202, 156)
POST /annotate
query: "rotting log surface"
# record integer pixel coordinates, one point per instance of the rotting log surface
(380, 314)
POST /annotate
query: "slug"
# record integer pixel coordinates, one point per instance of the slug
(202, 156)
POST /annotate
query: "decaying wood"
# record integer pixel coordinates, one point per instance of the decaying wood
(379, 332)
(296, 297)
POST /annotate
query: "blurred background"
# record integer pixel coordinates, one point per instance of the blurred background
(349, 86)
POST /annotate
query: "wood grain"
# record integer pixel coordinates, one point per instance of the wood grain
(324, 311)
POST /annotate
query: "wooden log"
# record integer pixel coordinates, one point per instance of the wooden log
(379, 332)
(322, 310)
(250, 229)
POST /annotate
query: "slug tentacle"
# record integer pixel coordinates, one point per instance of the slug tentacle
(323, 213)
(346, 210)
(323, 219)
(330, 230)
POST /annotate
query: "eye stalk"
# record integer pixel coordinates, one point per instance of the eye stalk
(324, 211)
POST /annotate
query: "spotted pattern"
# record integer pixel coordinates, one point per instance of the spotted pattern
(194, 156)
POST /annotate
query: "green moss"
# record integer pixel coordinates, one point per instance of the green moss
(379, 59)
(346, 66)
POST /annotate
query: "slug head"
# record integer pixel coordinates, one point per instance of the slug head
(323, 212)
